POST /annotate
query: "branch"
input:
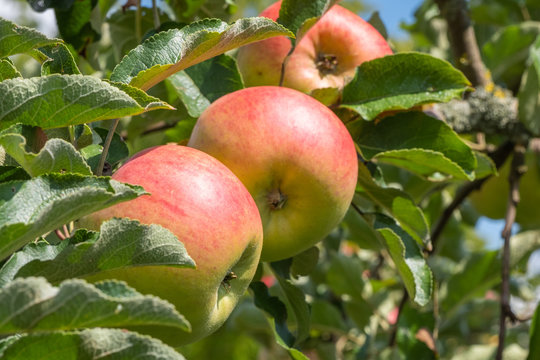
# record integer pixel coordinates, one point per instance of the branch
(499, 157)
(517, 170)
(463, 40)
(402, 303)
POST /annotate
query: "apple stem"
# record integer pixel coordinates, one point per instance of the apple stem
(283, 65)
(276, 199)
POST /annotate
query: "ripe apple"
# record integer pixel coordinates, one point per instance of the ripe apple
(206, 206)
(325, 57)
(292, 153)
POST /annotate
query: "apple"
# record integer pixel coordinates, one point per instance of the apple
(325, 57)
(292, 153)
(206, 206)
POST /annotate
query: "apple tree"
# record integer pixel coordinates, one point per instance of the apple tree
(444, 137)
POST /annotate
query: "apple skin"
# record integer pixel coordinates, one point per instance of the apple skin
(207, 207)
(339, 33)
(292, 153)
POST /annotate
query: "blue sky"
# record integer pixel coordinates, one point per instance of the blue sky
(393, 13)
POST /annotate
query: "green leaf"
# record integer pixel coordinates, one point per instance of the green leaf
(121, 243)
(112, 344)
(414, 333)
(62, 100)
(528, 96)
(506, 53)
(478, 273)
(56, 156)
(482, 270)
(534, 344)
(10, 173)
(295, 298)
(32, 208)
(60, 60)
(300, 15)
(201, 84)
(171, 51)
(304, 263)
(400, 82)
(121, 30)
(376, 21)
(486, 166)
(276, 309)
(398, 204)
(360, 231)
(7, 70)
(344, 276)
(15, 39)
(33, 304)
(416, 142)
(326, 317)
(408, 258)
(74, 24)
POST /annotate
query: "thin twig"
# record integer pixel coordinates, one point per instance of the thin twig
(156, 15)
(463, 40)
(516, 171)
(138, 22)
(402, 303)
(358, 210)
(499, 157)
(106, 145)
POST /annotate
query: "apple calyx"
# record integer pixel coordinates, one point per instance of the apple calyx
(326, 63)
(276, 199)
(226, 282)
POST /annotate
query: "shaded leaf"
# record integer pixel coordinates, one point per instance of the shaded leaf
(171, 51)
(300, 15)
(56, 156)
(479, 272)
(408, 258)
(276, 309)
(32, 208)
(295, 298)
(62, 100)
(113, 344)
(7, 70)
(15, 39)
(344, 276)
(486, 166)
(201, 84)
(400, 82)
(121, 243)
(60, 60)
(506, 53)
(398, 203)
(305, 262)
(74, 23)
(33, 304)
(416, 142)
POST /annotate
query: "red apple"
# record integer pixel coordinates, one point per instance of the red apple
(325, 57)
(205, 205)
(294, 155)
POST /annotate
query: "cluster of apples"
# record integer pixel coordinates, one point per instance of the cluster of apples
(268, 172)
